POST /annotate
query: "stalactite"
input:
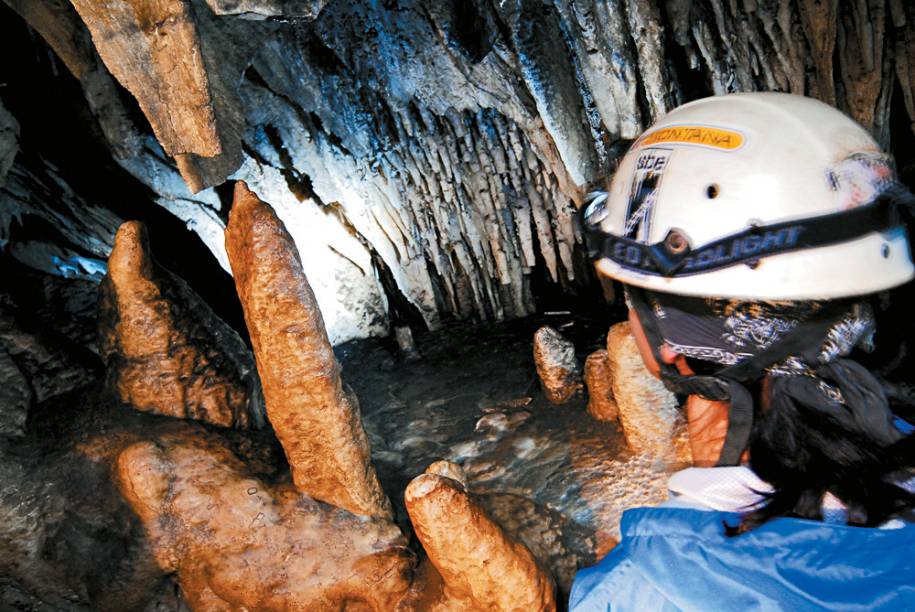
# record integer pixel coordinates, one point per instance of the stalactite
(454, 140)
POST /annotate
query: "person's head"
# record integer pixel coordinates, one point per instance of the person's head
(748, 231)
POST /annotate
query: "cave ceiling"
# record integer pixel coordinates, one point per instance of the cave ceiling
(427, 157)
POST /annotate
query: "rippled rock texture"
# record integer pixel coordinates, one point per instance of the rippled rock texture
(428, 157)
(165, 350)
(315, 417)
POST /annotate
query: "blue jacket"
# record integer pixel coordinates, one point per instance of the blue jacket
(680, 559)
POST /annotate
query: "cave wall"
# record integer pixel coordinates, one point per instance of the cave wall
(427, 157)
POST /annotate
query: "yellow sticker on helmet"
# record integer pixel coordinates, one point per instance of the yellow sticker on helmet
(701, 135)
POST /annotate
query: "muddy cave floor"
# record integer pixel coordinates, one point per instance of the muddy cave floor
(555, 478)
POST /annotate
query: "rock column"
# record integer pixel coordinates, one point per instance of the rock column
(648, 412)
(315, 417)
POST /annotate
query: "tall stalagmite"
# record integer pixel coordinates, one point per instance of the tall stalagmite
(315, 417)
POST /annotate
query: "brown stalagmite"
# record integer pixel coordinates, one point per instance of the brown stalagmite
(315, 418)
(557, 367)
(480, 566)
(599, 380)
(166, 352)
(648, 412)
(236, 543)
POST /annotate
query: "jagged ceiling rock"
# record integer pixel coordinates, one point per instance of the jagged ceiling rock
(315, 417)
(35, 187)
(60, 26)
(260, 9)
(165, 350)
(446, 143)
(903, 16)
(154, 51)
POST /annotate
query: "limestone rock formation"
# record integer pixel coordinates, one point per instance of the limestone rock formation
(236, 542)
(455, 162)
(165, 350)
(315, 417)
(15, 397)
(481, 568)
(261, 9)
(648, 412)
(9, 142)
(154, 50)
(48, 368)
(557, 366)
(599, 381)
(61, 27)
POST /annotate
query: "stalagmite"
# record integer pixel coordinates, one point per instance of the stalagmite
(557, 366)
(599, 381)
(237, 543)
(648, 413)
(480, 566)
(166, 351)
(315, 417)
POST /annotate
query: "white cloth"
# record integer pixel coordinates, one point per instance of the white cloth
(738, 489)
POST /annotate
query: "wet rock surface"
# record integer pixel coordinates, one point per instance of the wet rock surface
(648, 412)
(555, 480)
(557, 366)
(198, 503)
(481, 567)
(69, 540)
(599, 381)
(236, 542)
(165, 350)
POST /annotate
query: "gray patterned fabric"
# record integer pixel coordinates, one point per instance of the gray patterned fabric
(726, 331)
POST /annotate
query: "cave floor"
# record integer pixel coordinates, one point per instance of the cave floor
(552, 476)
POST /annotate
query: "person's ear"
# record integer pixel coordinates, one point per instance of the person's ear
(669, 356)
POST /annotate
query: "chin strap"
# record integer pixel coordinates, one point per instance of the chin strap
(728, 383)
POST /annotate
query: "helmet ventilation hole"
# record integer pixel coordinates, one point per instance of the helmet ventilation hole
(711, 192)
(885, 251)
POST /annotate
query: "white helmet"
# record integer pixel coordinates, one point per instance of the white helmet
(755, 196)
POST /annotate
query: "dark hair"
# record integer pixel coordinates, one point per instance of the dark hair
(805, 447)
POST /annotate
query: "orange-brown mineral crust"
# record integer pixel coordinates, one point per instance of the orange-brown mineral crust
(159, 358)
(481, 567)
(599, 380)
(239, 544)
(315, 418)
(557, 367)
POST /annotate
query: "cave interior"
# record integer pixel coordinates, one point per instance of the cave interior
(281, 282)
